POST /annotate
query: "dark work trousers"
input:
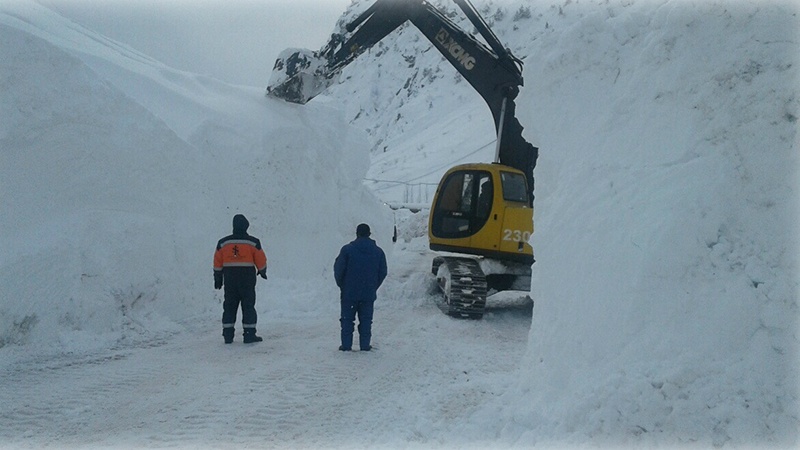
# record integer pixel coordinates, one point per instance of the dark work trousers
(351, 309)
(242, 292)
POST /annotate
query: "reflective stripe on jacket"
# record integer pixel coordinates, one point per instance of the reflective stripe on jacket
(240, 250)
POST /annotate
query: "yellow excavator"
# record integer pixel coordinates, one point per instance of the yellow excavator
(484, 210)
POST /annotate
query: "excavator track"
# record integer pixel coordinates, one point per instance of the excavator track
(464, 286)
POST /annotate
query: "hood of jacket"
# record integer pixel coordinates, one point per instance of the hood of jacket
(240, 224)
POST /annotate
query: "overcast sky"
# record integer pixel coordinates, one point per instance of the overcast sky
(233, 40)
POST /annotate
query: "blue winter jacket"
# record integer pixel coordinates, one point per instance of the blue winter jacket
(360, 269)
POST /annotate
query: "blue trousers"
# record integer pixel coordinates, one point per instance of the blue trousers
(351, 309)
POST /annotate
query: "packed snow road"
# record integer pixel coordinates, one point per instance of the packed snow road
(295, 389)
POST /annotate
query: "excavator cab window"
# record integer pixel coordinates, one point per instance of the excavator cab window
(514, 187)
(464, 205)
(485, 196)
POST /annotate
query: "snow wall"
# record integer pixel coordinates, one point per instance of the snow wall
(666, 282)
(118, 175)
(667, 211)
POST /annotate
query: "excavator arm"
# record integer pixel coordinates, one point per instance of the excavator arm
(491, 70)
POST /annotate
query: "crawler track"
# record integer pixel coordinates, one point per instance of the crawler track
(464, 286)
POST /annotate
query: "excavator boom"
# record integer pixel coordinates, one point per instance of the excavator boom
(493, 71)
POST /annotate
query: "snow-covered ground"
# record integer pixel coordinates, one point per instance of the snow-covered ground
(666, 281)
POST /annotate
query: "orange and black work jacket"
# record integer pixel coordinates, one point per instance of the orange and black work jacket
(236, 257)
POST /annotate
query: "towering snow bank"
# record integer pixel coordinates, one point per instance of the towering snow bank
(666, 286)
(119, 174)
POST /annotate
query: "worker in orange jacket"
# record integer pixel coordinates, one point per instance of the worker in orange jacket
(236, 261)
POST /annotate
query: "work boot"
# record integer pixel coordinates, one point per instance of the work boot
(250, 337)
(227, 334)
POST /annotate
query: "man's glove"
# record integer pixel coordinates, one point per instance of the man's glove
(263, 274)
(217, 280)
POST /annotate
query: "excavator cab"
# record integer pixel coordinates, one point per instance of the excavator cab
(483, 209)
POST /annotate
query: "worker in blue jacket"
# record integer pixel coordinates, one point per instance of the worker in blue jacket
(359, 271)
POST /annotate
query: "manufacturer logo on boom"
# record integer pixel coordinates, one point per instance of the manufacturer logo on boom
(456, 50)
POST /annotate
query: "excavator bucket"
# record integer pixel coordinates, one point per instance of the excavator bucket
(298, 76)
